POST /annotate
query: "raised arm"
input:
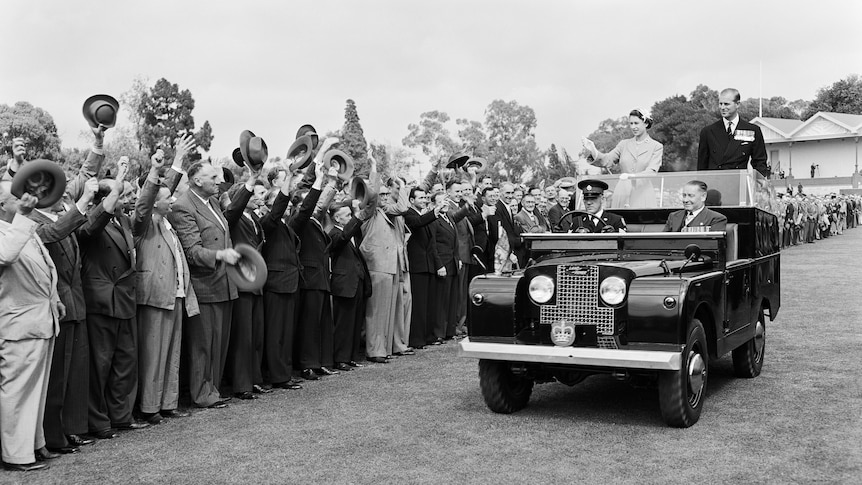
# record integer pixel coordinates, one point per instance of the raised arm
(91, 166)
(19, 232)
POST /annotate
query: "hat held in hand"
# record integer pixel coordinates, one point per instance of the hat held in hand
(101, 110)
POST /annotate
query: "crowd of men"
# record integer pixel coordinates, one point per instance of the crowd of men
(118, 299)
(808, 218)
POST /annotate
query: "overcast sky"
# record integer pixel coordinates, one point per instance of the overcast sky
(270, 66)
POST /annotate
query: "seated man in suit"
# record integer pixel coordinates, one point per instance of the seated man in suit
(596, 219)
(695, 217)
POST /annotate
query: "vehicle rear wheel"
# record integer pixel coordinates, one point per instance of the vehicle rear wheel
(682, 392)
(748, 358)
(504, 392)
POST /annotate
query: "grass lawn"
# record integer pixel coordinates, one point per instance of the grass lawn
(421, 419)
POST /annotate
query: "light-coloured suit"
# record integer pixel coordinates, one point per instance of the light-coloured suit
(634, 158)
(27, 331)
(387, 315)
(160, 304)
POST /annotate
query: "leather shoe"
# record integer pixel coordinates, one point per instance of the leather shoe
(78, 440)
(154, 418)
(342, 366)
(105, 434)
(64, 450)
(175, 413)
(42, 454)
(325, 371)
(133, 425)
(439, 341)
(218, 405)
(409, 351)
(288, 385)
(353, 363)
(25, 467)
(309, 375)
(378, 360)
(246, 396)
(264, 389)
(225, 398)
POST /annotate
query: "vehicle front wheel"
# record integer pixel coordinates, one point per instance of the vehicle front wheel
(748, 358)
(682, 392)
(504, 392)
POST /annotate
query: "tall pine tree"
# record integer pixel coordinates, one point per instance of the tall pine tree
(353, 138)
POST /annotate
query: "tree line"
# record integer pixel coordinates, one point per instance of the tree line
(504, 136)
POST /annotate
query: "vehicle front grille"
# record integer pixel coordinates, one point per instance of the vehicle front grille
(577, 292)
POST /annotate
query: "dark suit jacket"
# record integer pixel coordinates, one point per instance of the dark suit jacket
(508, 224)
(313, 256)
(707, 220)
(610, 223)
(202, 237)
(62, 243)
(422, 245)
(108, 264)
(446, 240)
(281, 249)
(248, 232)
(350, 275)
(157, 269)
(480, 229)
(555, 212)
(466, 229)
(717, 151)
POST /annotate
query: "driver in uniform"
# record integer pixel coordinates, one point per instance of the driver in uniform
(595, 219)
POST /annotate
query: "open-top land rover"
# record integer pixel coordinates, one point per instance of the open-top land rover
(650, 306)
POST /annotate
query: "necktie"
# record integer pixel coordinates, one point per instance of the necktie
(688, 217)
(729, 129)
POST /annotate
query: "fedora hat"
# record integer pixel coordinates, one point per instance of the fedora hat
(41, 178)
(237, 157)
(343, 161)
(478, 161)
(310, 131)
(359, 190)
(101, 109)
(244, 138)
(249, 273)
(229, 179)
(257, 153)
(303, 148)
(457, 160)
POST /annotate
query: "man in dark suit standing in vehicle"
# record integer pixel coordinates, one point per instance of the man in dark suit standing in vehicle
(731, 143)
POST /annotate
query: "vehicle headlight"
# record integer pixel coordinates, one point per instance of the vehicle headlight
(613, 290)
(541, 289)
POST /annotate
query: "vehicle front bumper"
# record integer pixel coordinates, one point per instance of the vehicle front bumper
(582, 356)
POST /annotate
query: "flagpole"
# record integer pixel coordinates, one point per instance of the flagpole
(761, 89)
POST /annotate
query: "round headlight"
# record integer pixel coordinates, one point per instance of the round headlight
(541, 289)
(613, 290)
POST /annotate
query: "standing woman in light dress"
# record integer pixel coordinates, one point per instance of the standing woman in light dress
(638, 158)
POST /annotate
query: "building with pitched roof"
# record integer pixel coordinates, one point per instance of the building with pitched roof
(828, 142)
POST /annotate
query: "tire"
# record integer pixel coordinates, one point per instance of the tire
(682, 392)
(748, 358)
(503, 391)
